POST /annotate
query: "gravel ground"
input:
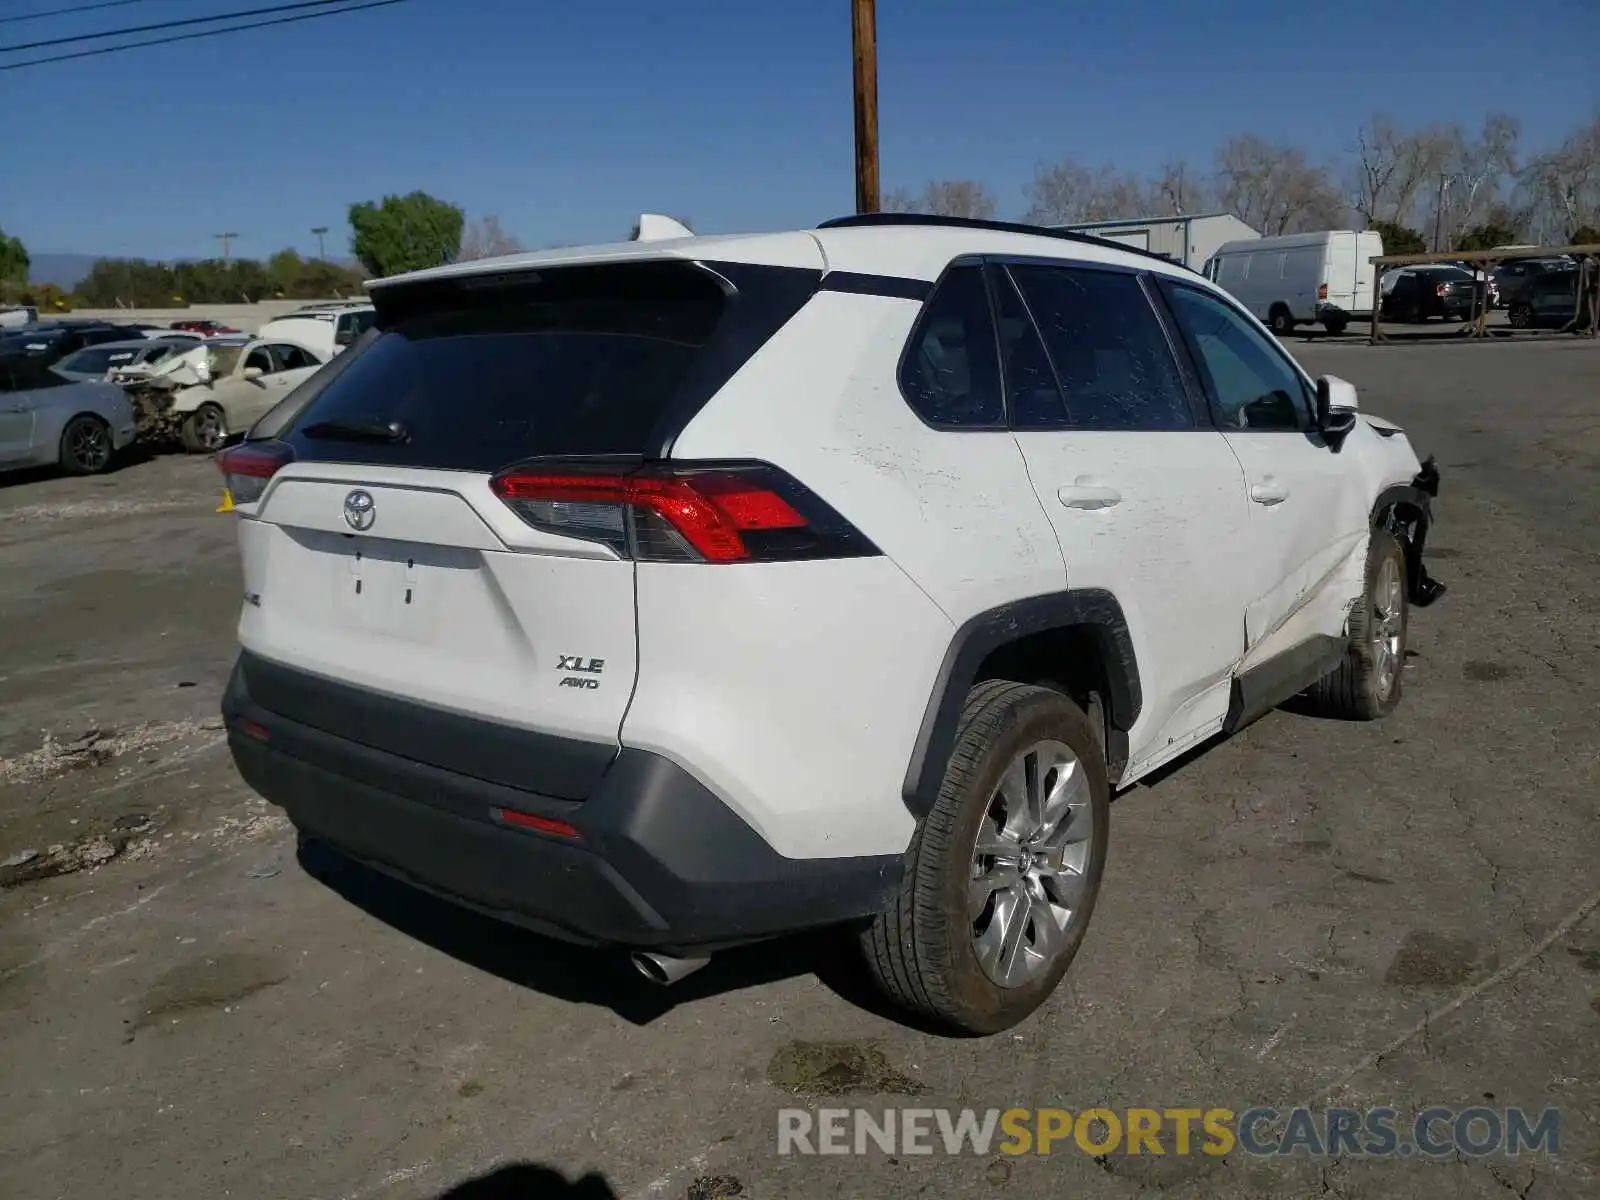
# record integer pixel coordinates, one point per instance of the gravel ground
(1400, 913)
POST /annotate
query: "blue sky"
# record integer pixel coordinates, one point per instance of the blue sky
(566, 120)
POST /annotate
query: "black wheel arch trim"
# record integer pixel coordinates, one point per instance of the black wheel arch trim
(988, 631)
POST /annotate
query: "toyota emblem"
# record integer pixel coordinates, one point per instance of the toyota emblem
(359, 512)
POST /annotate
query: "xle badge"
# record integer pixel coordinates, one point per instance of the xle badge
(575, 662)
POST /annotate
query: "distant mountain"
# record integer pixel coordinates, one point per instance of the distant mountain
(66, 271)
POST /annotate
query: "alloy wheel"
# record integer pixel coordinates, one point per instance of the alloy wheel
(1030, 864)
(89, 446)
(1388, 625)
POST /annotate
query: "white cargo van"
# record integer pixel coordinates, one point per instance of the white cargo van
(1301, 278)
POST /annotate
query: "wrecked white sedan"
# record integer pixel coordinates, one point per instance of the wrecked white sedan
(218, 389)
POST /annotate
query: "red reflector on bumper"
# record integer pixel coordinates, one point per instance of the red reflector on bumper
(250, 728)
(529, 821)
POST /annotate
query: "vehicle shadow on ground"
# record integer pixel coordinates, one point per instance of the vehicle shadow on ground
(527, 1181)
(135, 455)
(576, 974)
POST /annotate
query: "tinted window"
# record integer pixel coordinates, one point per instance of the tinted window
(572, 361)
(1250, 384)
(1109, 351)
(292, 358)
(950, 374)
(1031, 389)
(94, 360)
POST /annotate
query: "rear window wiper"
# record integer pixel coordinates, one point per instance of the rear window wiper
(358, 431)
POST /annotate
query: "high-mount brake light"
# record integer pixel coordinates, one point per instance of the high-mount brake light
(247, 467)
(722, 514)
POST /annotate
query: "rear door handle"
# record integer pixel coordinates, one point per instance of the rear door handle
(1089, 496)
(1269, 491)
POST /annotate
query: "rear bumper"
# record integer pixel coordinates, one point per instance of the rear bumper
(657, 862)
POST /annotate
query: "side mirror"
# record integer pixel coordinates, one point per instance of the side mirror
(344, 337)
(252, 373)
(1336, 408)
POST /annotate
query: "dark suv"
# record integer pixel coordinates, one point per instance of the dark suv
(51, 343)
(1549, 299)
(1428, 291)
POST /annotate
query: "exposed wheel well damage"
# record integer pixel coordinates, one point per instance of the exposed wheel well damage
(1406, 511)
(1075, 641)
(1074, 660)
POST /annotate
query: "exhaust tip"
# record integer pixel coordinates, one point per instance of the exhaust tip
(664, 969)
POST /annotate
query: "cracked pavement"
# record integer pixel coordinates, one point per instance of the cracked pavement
(1310, 912)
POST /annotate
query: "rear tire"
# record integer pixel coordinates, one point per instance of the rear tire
(205, 430)
(86, 447)
(1280, 321)
(1367, 684)
(966, 942)
(1521, 316)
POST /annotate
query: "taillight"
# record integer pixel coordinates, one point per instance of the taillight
(1322, 292)
(248, 466)
(747, 512)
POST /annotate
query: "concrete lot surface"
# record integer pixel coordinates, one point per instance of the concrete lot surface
(1400, 913)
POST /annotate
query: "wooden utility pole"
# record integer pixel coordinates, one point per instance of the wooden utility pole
(865, 28)
(226, 239)
(319, 231)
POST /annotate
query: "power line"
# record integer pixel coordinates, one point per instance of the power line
(67, 12)
(189, 37)
(163, 25)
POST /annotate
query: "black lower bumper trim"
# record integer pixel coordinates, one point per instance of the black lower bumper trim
(659, 862)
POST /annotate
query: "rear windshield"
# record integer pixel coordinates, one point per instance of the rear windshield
(571, 361)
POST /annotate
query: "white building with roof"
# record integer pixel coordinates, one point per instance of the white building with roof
(1189, 239)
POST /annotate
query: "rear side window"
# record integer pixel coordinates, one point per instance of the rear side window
(1109, 351)
(950, 374)
(568, 361)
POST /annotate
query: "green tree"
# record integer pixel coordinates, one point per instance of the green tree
(132, 282)
(1584, 235)
(284, 271)
(13, 260)
(1486, 237)
(1397, 239)
(405, 233)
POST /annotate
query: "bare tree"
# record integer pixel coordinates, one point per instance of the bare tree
(484, 238)
(1179, 189)
(1273, 188)
(945, 198)
(1393, 165)
(1471, 176)
(1069, 193)
(1562, 187)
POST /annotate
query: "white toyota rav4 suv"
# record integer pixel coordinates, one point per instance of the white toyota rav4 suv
(677, 594)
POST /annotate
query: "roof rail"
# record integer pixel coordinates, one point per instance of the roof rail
(868, 220)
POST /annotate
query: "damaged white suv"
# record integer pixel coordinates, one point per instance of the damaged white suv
(681, 593)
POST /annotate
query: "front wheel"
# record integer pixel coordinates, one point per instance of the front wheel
(1366, 685)
(1002, 875)
(85, 446)
(205, 430)
(1335, 325)
(1521, 316)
